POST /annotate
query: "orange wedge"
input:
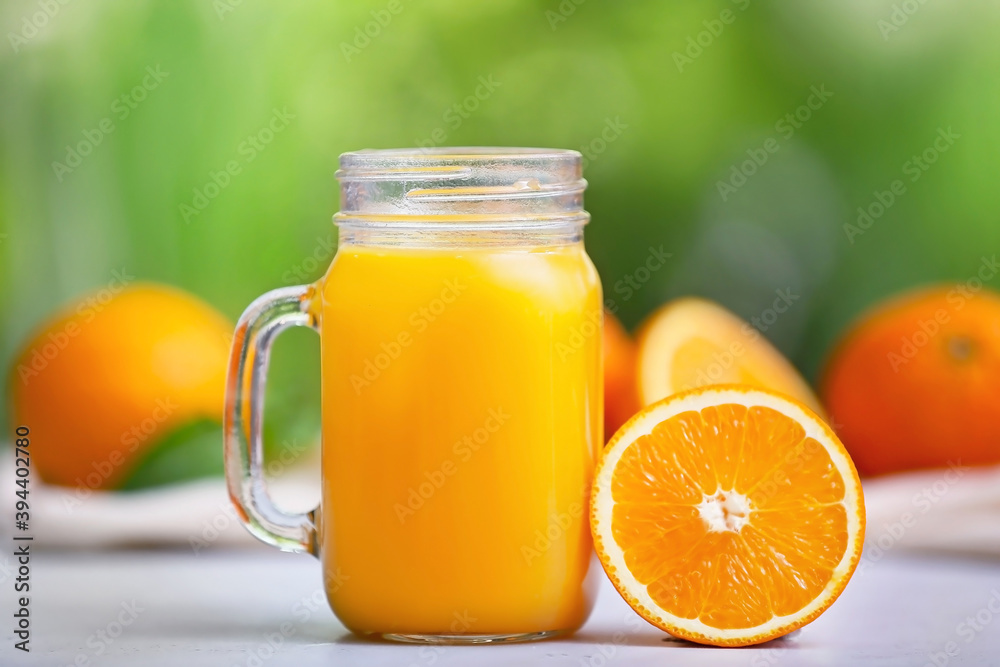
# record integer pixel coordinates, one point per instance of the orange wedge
(727, 515)
(693, 342)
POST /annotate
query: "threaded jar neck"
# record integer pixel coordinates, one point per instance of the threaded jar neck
(467, 189)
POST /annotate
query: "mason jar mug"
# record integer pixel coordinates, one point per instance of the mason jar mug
(461, 379)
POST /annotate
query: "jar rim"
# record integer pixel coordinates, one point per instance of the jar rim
(428, 154)
(470, 184)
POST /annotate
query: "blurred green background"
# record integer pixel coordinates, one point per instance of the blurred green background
(689, 87)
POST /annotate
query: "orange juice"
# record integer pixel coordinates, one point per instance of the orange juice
(461, 421)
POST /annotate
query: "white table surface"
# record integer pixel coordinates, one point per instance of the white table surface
(220, 607)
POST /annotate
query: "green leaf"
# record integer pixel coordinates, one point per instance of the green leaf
(190, 452)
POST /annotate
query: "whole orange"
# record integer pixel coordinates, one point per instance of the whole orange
(621, 397)
(104, 380)
(915, 383)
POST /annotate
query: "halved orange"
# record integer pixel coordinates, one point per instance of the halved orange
(727, 515)
(693, 342)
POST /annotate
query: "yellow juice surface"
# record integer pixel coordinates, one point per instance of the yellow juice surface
(462, 414)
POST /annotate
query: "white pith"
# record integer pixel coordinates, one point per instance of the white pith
(725, 510)
(603, 505)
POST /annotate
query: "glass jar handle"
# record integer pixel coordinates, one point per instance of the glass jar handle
(259, 325)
